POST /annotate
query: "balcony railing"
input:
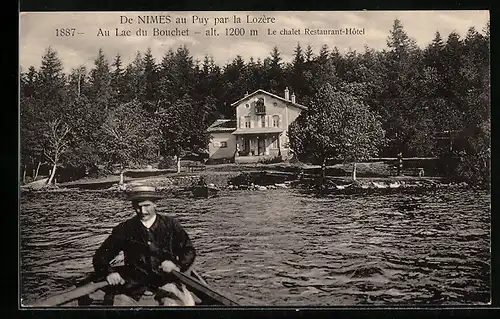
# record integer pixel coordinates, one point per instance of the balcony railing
(260, 110)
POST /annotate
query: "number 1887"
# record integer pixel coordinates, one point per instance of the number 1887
(65, 32)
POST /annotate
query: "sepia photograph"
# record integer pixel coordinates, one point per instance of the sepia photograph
(254, 159)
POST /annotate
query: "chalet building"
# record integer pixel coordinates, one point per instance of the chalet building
(260, 129)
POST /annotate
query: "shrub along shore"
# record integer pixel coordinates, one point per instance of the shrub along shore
(370, 176)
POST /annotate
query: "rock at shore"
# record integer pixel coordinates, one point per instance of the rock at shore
(39, 184)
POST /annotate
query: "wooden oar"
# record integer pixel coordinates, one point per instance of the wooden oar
(70, 295)
(200, 288)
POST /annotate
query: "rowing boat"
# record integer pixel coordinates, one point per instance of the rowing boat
(205, 191)
(92, 294)
(99, 298)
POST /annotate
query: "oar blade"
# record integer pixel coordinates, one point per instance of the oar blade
(70, 295)
(200, 288)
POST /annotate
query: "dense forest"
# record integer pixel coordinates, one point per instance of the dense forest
(91, 120)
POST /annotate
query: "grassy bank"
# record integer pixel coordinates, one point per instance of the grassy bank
(221, 173)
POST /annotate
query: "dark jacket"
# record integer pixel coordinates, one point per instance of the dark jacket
(144, 250)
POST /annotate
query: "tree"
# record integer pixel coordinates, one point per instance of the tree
(235, 82)
(322, 71)
(166, 80)
(401, 103)
(117, 80)
(475, 98)
(31, 134)
(28, 82)
(149, 90)
(56, 144)
(337, 126)
(183, 72)
(273, 72)
(182, 130)
(308, 55)
(100, 83)
(85, 121)
(131, 136)
(77, 82)
(132, 78)
(296, 72)
(50, 87)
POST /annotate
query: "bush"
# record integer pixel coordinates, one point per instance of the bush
(166, 162)
(215, 161)
(271, 160)
(474, 169)
(242, 179)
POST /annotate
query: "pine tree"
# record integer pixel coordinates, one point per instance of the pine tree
(296, 72)
(236, 83)
(273, 72)
(166, 83)
(308, 55)
(406, 124)
(323, 72)
(183, 72)
(117, 81)
(133, 78)
(51, 83)
(100, 83)
(149, 91)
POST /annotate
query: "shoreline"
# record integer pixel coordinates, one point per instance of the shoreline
(253, 177)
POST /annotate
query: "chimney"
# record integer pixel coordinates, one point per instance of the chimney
(287, 94)
(293, 97)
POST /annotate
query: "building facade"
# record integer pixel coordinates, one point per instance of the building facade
(260, 129)
(223, 142)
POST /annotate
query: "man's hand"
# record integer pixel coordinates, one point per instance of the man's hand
(167, 266)
(115, 279)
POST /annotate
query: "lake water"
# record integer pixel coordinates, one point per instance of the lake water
(285, 247)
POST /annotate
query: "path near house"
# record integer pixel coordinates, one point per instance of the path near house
(108, 181)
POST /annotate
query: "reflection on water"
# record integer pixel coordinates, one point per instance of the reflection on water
(281, 247)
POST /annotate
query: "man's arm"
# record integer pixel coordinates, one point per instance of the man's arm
(183, 248)
(108, 250)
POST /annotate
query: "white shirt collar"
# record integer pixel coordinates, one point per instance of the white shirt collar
(149, 223)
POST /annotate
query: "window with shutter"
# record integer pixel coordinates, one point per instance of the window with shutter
(276, 120)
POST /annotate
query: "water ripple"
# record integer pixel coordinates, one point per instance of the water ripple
(282, 247)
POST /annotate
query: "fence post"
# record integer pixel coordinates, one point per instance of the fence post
(400, 163)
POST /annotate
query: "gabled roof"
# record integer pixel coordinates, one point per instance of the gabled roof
(222, 126)
(300, 106)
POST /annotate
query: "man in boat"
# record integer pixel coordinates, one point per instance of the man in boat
(153, 246)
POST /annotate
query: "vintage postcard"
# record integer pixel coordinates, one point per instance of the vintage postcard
(263, 159)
